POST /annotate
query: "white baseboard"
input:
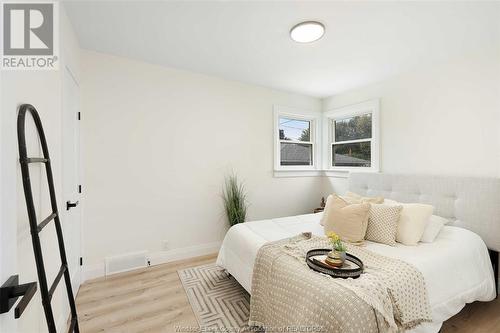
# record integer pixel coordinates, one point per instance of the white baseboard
(93, 271)
(183, 253)
(156, 258)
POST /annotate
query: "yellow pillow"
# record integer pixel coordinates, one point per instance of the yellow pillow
(346, 220)
(354, 198)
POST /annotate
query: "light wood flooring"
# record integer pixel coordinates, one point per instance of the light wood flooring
(153, 300)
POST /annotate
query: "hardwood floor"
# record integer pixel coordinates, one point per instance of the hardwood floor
(153, 300)
(477, 317)
(145, 300)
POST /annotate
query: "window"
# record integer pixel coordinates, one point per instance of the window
(353, 137)
(351, 146)
(296, 138)
(296, 147)
(329, 143)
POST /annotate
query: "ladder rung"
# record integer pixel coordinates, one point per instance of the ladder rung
(56, 281)
(36, 160)
(46, 221)
(72, 325)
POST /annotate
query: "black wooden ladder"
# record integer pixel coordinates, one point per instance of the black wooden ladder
(36, 227)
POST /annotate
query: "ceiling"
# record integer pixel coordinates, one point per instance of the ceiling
(364, 42)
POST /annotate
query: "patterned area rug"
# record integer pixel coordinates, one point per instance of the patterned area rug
(219, 303)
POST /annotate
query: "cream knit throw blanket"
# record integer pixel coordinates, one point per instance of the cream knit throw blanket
(390, 296)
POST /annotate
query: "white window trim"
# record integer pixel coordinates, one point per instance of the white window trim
(297, 170)
(371, 106)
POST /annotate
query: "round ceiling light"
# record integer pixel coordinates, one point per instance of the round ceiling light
(306, 32)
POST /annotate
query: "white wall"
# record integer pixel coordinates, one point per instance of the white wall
(443, 119)
(43, 90)
(158, 143)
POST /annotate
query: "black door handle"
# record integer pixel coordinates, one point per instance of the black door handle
(11, 291)
(70, 204)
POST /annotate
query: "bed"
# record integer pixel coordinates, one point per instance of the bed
(455, 274)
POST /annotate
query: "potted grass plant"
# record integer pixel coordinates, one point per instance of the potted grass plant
(234, 197)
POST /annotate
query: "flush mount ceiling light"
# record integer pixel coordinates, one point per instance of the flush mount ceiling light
(306, 32)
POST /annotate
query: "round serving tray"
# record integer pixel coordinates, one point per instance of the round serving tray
(352, 269)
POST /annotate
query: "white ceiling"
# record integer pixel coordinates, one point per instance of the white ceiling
(249, 41)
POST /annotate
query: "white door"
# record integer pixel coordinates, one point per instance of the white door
(71, 218)
(8, 242)
(61, 129)
(16, 249)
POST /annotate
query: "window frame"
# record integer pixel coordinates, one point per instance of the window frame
(329, 117)
(314, 140)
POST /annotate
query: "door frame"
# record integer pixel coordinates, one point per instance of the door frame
(76, 277)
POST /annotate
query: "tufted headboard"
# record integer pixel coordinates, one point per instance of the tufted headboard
(471, 203)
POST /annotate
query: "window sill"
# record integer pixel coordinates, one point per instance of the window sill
(336, 173)
(297, 173)
(317, 173)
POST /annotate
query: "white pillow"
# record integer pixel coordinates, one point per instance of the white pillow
(433, 228)
(326, 209)
(412, 221)
(390, 202)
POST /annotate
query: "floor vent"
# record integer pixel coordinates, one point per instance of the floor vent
(125, 262)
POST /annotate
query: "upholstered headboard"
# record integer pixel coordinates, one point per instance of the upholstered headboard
(471, 203)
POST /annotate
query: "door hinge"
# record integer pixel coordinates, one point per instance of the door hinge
(79, 188)
(79, 116)
(81, 261)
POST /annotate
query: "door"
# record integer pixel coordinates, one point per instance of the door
(16, 249)
(72, 215)
(8, 244)
(57, 104)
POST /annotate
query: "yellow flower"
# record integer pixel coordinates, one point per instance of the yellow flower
(333, 236)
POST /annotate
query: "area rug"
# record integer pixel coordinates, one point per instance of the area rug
(219, 303)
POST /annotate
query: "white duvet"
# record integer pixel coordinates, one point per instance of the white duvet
(456, 266)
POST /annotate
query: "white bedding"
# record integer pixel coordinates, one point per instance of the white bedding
(456, 266)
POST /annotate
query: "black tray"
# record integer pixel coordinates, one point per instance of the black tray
(353, 270)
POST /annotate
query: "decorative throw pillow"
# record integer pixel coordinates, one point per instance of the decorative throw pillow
(347, 221)
(433, 228)
(412, 222)
(383, 224)
(329, 203)
(390, 202)
(354, 198)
